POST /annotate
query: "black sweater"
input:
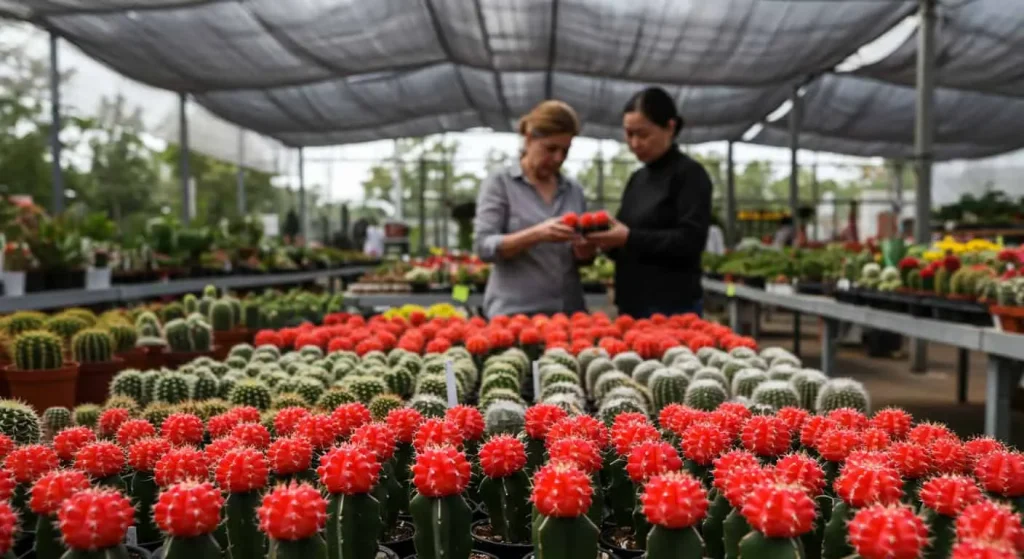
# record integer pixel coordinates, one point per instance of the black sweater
(667, 207)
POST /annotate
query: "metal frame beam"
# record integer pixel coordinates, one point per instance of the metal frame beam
(57, 204)
(186, 186)
(303, 213)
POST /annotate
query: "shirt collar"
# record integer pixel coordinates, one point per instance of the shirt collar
(515, 170)
(670, 155)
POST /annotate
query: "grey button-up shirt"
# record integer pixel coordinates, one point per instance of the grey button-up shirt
(542, 279)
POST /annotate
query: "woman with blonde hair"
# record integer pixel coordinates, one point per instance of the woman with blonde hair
(518, 223)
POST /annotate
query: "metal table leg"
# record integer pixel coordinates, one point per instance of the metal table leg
(999, 386)
(755, 320)
(734, 314)
(918, 355)
(796, 333)
(828, 346)
(963, 364)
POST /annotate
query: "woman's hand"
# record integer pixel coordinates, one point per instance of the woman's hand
(611, 239)
(583, 250)
(552, 231)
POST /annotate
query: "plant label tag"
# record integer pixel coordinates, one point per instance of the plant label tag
(536, 381)
(843, 284)
(131, 537)
(449, 381)
(460, 293)
(730, 290)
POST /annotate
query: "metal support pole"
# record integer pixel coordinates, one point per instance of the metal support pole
(814, 200)
(303, 217)
(794, 168)
(963, 365)
(240, 188)
(600, 181)
(755, 319)
(1003, 376)
(57, 204)
(828, 346)
(399, 193)
(796, 333)
(422, 195)
(734, 315)
(923, 133)
(186, 175)
(730, 197)
(445, 210)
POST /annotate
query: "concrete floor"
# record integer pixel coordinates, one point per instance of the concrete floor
(931, 395)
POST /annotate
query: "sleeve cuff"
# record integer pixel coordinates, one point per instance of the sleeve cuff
(489, 248)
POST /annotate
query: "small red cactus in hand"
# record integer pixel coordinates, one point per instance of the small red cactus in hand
(287, 419)
(562, 490)
(242, 470)
(68, 442)
(111, 420)
(779, 510)
(887, 532)
(95, 519)
(949, 494)
(437, 432)
(144, 453)
(540, 418)
(802, 470)
(502, 456)
(578, 451)
(836, 444)
(221, 425)
(180, 464)
(440, 471)
(252, 434)
(51, 490)
(894, 421)
(292, 512)
(703, 442)
(865, 483)
(377, 437)
(987, 520)
(765, 435)
(469, 420)
(182, 429)
(912, 460)
(320, 430)
(349, 469)
(28, 463)
(404, 422)
(216, 450)
(289, 455)
(349, 417)
(188, 509)
(8, 527)
(1001, 472)
(652, 458)
(134, 430)
(674, 500)
(100, 459)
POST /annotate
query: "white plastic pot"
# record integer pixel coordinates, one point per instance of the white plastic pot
(14, 283)
(97, 278)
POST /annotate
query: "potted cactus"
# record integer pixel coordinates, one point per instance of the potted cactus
(292, 516)
(674, 503)
(93, 349)
(125, 344)
(439, 512)
(505, 491)
(1007, 307)
(225, 319)
(189, 513)
(562, 495)
(187, 339)
(143, 456)
(48, 494)
(779, 514)
(349, 473)
(94, 522)
(243, 474)
(883, 531)
(40, 376)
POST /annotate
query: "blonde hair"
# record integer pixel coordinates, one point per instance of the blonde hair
(550, 118)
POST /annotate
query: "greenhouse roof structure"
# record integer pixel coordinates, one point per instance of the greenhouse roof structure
(323, 72)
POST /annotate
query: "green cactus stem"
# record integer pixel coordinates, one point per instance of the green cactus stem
(665, 543)
(48, 544)
(309, 548)
(943, 533)
(559, 538)
(443, 527)
(835, 544)
(507, 501)
(245, 539)
(713, 526)
(353, 526)
(536, 455)
(618, 489)
(734, 529)
(756, 544)
(143, 491)
(116, 552)
(199, 547)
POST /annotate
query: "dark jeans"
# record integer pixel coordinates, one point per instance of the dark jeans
(696, 308)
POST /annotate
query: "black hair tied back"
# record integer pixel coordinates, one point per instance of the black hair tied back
(657, 106)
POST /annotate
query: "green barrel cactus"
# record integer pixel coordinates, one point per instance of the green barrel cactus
(334, 397)
(611, 409)
(642, 372)
(627, 361)
(710, 373)
(178, 337)
(309, 388)
(172, 311)
(382, 404)
(190, 303)
(504, 417)
(587, 356)
(400, 381)
(428, 405)
(19, 422)
(37, 350)
(807, 383)
(251, 392)
(205, 385)
(124, 337)
(775, 393)
(87, 415)
(597, 367)
(288, 400)
(746, 380)
(607, 382)
(92, 345)
(668, 386)
(364, 388)
(222, 318)
(24, 321)
(172, 388)
(842, 393)
(705, 394)
(128, 383)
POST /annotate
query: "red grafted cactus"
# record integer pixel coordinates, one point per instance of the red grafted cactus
(7, 485)
(981, 549)
(111, 420)
(188, 509)
(95, 519)
(502, 456)
(948, 456)
(469, 420)
(766, 435)
(980, 446)
(292, 512)
(144, 453)
(348, 469)
(287, 419)
(893, 421)
(849, 418)
(28, 463)
(813, 428)
(440, 471)
(948, 495)
(377, 437)
(320, 430)
(990, 521)
(674, 500)
(51, 490)
(404, 422)
(477, 344)
(1002, 473)
(578, 451)
(926, 432)
(251, 434)
(627, 418)
(912, 460)
(864, 483)
(875, 439)
(100, 459)
(779, 510)
(726, 462)
(802, 470)
(836, 444)
(134, 430)
(6, 446)
(437, 432)
(8, 527)
(182, 429)
(180, 464)
(677, 418)
(68, 442)
(703, 442)
(887, 532)
(579, 426)
(562, 490)
(242, 470)
(735, 408)
(540, 418)
(245, 414)
(289, 455)
(349, 417)
(221, 425)
(737, 482)
(651, 458)
(216, 450)
(794, 418)
(730, 423)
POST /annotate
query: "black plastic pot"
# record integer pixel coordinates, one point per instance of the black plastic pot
(475, 552)
(404, 546)
(500, 550)
(620, 552)
(604, 554)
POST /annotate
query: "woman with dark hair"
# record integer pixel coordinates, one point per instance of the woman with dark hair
(661, 228)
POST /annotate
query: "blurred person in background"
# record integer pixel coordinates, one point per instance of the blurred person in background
(534, 255)
(661, 228)
(716, 238)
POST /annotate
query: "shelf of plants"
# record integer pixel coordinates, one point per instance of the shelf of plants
(423, 433)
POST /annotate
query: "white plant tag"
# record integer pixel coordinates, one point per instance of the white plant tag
(449, 380)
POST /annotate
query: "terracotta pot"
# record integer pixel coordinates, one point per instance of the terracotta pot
(1011, 319)
(155, 356)
(44, 389)
(94, 380)
(135, 358)
(175, 359)
(227, 340)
